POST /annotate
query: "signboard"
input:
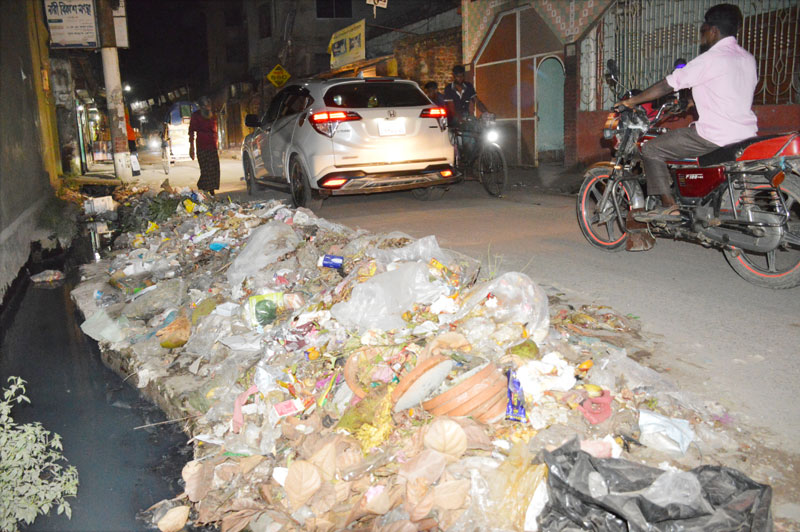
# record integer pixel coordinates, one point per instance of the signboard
(71, 23)
(378, 3)
(348, 45)
(278, 76)
(120, 25)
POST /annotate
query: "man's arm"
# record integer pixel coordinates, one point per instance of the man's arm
(479, 104)
(657, 90)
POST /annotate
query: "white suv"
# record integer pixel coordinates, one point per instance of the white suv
(349, 136)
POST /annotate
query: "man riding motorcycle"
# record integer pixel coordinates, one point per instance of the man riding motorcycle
(723, 80)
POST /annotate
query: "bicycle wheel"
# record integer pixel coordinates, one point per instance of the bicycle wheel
(492, 170)
(165, 160)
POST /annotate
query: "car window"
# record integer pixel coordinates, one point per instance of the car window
(295, 102)
(360, 95)
(274, 107)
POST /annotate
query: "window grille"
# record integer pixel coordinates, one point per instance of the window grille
(645, 37)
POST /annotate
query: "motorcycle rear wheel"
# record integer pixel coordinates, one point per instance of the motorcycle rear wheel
(602, 229)
(779, 268)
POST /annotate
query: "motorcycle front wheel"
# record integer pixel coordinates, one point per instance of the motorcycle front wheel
(603, 228)
(779, 268)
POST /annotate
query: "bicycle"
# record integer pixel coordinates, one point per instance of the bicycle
(477, 151)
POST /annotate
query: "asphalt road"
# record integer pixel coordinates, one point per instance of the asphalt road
(716, 335)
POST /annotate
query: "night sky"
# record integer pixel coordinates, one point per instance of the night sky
(167, 47)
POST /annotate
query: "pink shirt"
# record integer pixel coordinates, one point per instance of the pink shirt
(723, 80)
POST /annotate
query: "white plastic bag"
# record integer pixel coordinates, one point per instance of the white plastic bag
(265, 245)
(379, 302)
(511, 298)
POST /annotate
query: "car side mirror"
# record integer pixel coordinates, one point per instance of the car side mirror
(252, 121)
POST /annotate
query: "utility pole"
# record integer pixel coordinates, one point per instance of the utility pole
(116, 107)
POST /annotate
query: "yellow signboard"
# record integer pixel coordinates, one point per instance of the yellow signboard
(347, 45)
(278, 76)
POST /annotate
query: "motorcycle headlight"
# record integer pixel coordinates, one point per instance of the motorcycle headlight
(492, 135)
(609, 133)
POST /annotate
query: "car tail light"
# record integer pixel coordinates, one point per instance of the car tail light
(446, 173)
(433, 112)
(326, 122)
(334, 182)
(440, 113)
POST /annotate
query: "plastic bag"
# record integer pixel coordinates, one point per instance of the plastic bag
(508, 299)
(265, 245)
(379, 302)
(670, 435)
(422, 250)
(607, 494)
(513, 485)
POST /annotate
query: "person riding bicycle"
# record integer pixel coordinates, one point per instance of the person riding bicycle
(461, 100)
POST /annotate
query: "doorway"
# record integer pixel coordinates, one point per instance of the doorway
(550, 110)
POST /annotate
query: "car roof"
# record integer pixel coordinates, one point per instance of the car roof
(324, 84)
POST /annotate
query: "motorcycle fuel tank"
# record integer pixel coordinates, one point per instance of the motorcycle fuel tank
(698, 182)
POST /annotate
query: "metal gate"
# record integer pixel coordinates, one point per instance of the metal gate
(506, 78)
(646, 36)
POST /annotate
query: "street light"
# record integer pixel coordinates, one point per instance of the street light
(126, 88)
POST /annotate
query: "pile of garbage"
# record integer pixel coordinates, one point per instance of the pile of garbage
(333, 379)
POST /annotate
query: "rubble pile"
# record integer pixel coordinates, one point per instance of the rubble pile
(334, 379)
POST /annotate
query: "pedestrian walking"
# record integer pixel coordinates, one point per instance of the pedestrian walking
(203, 126)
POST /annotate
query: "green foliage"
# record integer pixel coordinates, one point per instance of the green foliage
(32, 477)
(60, 218)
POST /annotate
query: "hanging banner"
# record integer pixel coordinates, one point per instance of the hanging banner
(348, 45)
(71, 23)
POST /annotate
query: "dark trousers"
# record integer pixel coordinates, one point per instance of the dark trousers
(675, 144)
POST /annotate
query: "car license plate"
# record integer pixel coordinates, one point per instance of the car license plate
(387, 128)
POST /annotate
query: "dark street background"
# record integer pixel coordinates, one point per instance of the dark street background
(122, 471)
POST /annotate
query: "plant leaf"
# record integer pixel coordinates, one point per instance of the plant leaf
(302, 481)
(451, 495)
(325, 460)
(447, 437)
(174, 520)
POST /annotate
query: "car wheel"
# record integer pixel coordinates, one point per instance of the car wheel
(428, 193)
(302, 194)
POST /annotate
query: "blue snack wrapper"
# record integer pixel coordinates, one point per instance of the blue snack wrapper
(515, 411)
(330, 261)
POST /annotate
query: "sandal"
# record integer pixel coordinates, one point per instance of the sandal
(668, 210)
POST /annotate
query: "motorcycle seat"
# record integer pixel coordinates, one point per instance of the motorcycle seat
(731, 152)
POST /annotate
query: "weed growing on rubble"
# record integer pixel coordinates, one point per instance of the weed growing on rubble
(32, 478)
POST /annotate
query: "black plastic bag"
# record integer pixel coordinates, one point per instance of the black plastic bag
(608, 494)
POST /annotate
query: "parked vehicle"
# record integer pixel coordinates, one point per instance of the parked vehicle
(324, 138)
(743, 198)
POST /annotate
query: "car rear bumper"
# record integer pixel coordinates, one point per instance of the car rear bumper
(362, 183)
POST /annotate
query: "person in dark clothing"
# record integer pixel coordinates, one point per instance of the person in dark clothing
(203, 127)
(461, 98)
(432, 92)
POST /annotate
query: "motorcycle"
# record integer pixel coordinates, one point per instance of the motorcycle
(743, 199)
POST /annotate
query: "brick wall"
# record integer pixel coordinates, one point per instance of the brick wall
(429, 57)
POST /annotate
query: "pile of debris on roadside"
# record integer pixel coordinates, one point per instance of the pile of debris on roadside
(333, 379)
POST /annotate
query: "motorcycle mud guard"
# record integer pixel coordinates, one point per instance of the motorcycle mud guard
(632, 185)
